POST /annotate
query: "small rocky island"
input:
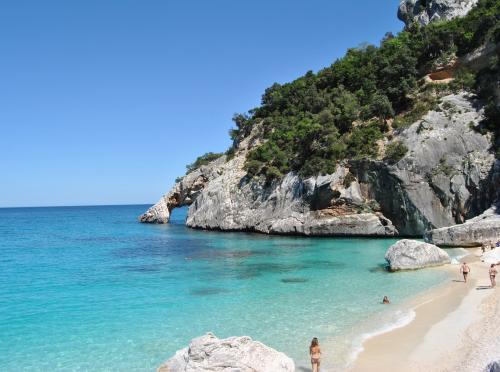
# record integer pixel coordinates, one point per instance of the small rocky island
(415, 156)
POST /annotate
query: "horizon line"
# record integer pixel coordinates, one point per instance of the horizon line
(75, 206)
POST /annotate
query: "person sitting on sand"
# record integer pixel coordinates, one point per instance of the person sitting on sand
(465, 270)
(386, 301)
(315, 353)
(493, 274)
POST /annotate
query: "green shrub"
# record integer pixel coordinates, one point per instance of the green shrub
(253, 167)
(395, 151)
(349, 178)
(230, 152)
(203, 160)
(273, 173)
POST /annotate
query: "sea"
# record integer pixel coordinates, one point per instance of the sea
(92, 289)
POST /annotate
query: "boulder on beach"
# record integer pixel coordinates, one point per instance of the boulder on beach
(208, 353)
(473, 233)
(412, 254)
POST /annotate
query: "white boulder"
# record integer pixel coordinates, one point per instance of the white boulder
(412, 254)
(234, 354)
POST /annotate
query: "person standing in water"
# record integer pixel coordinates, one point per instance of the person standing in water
(493, 274)
(315, 353)
(386, 301)
(465, 270)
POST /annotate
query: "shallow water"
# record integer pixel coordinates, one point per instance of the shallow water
(89, 288)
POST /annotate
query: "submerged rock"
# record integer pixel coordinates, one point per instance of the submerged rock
(412, 254)
(242, 354)
(426, 11)
(484, 229)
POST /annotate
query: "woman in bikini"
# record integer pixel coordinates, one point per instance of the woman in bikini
(315, 353)
(465, 270)
(493, 274)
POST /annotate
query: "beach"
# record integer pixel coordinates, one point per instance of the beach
(455, 328)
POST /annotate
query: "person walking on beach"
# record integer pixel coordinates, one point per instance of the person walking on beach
(493, 274)
(465, 270)
(315, 353)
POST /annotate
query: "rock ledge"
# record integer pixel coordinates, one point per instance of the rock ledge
(473, 233)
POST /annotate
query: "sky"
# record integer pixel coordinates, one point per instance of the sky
(105, 102)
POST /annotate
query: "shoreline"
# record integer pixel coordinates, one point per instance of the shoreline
(341, 352)
(450, 321)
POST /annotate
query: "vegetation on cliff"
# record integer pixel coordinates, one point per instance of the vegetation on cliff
(203, 160)
(343, 111)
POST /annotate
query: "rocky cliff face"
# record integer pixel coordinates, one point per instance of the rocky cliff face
(426, 11)
(447, 176)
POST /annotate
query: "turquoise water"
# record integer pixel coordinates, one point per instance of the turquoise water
(89, 288)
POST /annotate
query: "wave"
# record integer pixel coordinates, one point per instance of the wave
(457, 254)
(402, 319)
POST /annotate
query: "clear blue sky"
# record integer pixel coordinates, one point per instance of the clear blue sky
(104, 102)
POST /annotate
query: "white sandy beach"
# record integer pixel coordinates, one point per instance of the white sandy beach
(457, 327)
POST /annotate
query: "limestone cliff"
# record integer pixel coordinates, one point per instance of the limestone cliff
(426, 11)
(447, 176)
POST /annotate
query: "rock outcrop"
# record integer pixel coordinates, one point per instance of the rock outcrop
(426, 11)
(208, 353)
(412, 254)
(321, 206)
(480, 230)
(447, 176)
(183, 193)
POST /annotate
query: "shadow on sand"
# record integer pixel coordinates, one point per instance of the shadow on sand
(483, 287)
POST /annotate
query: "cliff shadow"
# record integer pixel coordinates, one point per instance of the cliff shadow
(487, 194)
